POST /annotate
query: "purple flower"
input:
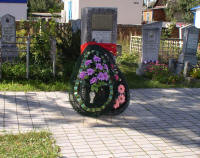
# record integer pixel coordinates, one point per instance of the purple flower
(96, 59)
(82, 75)
(105, 67)
(100, 76)
(90, 71)
(106, 77)
(93, 80)
(99, 66)
(88, 62)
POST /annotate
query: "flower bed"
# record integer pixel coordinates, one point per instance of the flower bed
(160, 72)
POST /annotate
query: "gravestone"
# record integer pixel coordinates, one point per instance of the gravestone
(99, 25)
(150, 44)
(8, 30)
(190, 44)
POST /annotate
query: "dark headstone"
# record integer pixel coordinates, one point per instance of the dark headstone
(190, 44)
(76, 25)
(172, 65)
(99, 25)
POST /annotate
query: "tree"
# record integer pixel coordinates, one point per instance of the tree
(179, 10)
(45, 5)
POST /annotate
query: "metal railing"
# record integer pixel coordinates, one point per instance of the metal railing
(136, 44)
(169, 48)
(23, 45)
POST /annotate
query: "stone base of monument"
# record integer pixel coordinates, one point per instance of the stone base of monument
(179, 68)
(187, 68)
(192, 59)
(185, 63)
(172, 65)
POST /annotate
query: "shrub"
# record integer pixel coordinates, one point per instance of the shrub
(128, 58)
(68, 50)
(195, 73)
(40, 49)
(13, 71)
(39, 72)
(17, 71)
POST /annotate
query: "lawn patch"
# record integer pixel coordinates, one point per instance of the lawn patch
(32, 144)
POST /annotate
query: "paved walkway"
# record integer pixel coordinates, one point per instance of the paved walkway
(158, 123)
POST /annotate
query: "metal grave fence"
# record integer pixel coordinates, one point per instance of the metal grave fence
(23, 45)
(169, 48)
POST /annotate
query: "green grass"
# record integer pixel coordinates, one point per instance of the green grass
(135, 81)
(32, 144)
(128, 69)
(33, 85)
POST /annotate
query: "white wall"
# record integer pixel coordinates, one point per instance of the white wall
(18, 10)
(75, 9)
(129, 11)
(66, 10)
(197, 20)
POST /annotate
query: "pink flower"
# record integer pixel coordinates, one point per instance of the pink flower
(121, 88)
(121, 99)
(112, 66)
(117, 77)
(116, 105)
(157, 62)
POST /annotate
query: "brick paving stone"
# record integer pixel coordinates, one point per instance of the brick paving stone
(158, 123)
(142, 156)
(105, 156)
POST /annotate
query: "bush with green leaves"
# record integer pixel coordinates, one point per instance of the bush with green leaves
(195, 73)
(40, 49)
(17, 71)
(13, 71)
(128, 58)
(68, 50)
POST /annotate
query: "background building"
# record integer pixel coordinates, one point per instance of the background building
(16, 8)
(129, 11)
(156, 13)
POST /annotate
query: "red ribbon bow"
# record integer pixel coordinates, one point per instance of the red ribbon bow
(108, 46)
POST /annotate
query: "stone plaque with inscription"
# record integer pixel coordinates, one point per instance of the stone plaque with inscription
(151, 41)
(192, 42)
(9, 48)
(102, 36)
(99, 25)
(102, 22)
